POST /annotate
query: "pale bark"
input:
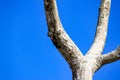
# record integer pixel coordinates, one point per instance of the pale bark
(84, 72)
(111, 56)
(82, 67)
(101, 31)
(58, 35)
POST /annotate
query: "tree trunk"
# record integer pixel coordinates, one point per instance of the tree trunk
(84, 72)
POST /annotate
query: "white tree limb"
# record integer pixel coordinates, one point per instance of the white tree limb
(111, 56)
(101, 32)
(58, 35)
(83, 67)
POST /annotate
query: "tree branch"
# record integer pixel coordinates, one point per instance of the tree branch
(58, 35)
(101, 31)
(111, 57)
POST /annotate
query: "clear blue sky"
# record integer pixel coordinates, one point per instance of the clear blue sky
(26, 52)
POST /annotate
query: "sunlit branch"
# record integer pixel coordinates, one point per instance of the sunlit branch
(58, 35)
(101, 31)
(111, 56)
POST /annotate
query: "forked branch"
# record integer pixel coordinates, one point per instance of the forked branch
(58, 35)
(83, 67)
(101, 31)
(111, 56)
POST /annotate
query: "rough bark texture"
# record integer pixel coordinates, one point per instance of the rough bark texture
(101, 31)
(58, 35)
(83, 67)
(111, 56)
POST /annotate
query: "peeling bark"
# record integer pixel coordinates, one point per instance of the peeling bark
(82, 67)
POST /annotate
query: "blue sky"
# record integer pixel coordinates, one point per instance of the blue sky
(26, 52)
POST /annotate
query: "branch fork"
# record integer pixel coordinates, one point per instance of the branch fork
(94, 59)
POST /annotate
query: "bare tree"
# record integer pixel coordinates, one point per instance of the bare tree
(83, 67)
